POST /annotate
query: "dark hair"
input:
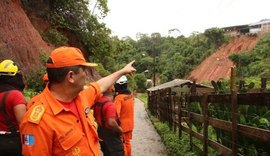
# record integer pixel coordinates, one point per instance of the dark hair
(57, 75)
(15, 81)
(122, 88)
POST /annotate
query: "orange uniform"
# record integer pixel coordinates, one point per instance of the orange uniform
(125, 110)
(49, 129)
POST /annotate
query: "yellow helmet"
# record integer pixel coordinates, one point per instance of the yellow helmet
(8, 67)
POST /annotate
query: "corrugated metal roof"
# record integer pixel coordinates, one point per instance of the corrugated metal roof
(264, 21)
(173, 83)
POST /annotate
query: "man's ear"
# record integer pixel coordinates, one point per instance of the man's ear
(70, 76)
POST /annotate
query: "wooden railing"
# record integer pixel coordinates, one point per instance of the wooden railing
(178, 111)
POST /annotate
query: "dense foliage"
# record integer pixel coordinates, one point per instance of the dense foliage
(256, 62)
(158, 58)
(168, 58)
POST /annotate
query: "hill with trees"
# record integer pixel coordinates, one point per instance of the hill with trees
(30, 29)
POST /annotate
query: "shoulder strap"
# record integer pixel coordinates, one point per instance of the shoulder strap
(3, 109)
(101, 104)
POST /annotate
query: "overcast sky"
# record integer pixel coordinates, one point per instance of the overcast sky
(129, 17)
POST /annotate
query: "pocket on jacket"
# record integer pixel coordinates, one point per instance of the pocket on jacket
(70, 138)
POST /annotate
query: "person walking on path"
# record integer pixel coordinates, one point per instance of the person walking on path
(59, 122)
(109, 129)
(12, 108)
(124, 101)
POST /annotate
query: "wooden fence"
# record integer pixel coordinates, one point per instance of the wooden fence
(179, 112)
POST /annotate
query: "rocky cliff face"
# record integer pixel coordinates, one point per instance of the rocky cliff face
(218, 65)
(19, 40)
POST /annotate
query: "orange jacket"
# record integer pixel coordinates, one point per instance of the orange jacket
(125, 110)
(48, 129)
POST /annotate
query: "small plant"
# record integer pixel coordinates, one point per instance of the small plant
(174, 145)
(29, 93)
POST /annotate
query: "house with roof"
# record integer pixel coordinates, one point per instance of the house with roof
(260, 27)
(179, 86)
(236, 30)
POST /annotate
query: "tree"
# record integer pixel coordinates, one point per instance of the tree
(140, 80)
(76, 18)
(215, 37)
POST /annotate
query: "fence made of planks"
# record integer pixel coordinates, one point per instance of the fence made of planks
(229, 124)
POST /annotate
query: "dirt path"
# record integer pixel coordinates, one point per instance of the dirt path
(146, 141)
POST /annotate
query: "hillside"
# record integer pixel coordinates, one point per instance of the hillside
(19, 40)
(218, 65)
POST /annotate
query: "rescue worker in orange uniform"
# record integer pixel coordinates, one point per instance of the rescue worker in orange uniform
(109, 129)
(59, 121)
(124, 102)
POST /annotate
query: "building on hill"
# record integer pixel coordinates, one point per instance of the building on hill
(236, 30)
(261, 27)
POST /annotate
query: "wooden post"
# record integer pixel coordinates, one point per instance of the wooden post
(180, 114)
(234, 112)
(263, 84)
(189, 122)
(193, 88)
(233, 79)
(169, 112)
(204, 105)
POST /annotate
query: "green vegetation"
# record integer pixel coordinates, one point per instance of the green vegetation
(34, 80)
(255, 63)
(54, 37)
(175, 146)
(167, 57)
(29, 93)
(143, 97)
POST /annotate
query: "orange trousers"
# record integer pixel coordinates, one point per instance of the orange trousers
(127, 136)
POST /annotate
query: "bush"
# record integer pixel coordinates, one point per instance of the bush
(174, 145)
(140, 80)
(28, 94)
(34, 80)
(55, 37)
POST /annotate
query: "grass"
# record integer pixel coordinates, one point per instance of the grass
(175, 146)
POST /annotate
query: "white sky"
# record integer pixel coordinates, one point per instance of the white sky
(129, 17)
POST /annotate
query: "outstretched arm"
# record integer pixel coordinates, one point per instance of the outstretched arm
(109, 80)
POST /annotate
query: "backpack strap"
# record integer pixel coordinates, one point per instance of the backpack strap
(3, 109)
(101, 104)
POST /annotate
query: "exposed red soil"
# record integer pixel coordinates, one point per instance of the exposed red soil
(218, 65)
(19, 40)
